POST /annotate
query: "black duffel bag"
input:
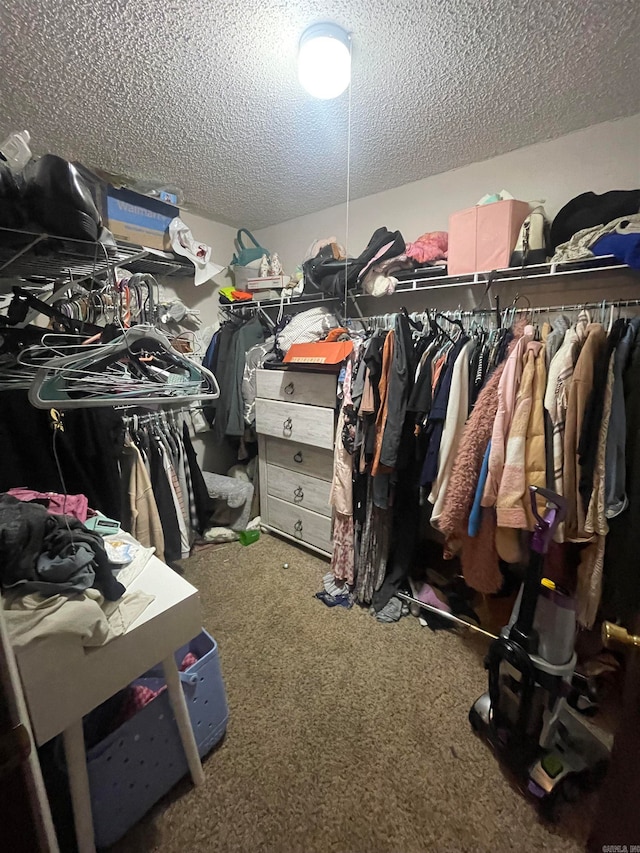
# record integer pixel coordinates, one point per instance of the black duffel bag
(327, 274)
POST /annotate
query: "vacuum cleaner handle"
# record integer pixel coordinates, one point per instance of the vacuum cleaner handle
(513, 727)
(547, 524)
(523, 632)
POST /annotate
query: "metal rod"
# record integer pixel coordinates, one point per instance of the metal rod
(541, 309)
(449, 616)
(545, 309)
(275, 303)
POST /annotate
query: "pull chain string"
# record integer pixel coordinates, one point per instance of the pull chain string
(346, 230)
(57, 427)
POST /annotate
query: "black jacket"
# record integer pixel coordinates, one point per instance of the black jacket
(622, 554)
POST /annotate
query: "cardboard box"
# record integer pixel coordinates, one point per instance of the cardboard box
(482, 238)
(130, 216)
(270, 282)
(137, 218)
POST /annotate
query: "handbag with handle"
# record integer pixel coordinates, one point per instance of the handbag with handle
(247, 254)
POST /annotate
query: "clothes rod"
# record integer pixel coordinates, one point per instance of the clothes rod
(449, 616)
(585, 306)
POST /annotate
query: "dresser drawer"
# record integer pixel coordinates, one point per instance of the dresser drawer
(300, 523)
(294, 422)
(314, 461)
(299, 489)
(316, 389)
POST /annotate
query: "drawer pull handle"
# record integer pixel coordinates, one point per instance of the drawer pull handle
(298, 457)
(298, 528)
(287, 426)
(289, 389)
(298, 494)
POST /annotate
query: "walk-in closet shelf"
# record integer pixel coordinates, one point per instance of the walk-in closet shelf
(29, 255)
(535, 274)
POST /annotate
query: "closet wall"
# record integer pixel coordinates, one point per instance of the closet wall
(599, 158)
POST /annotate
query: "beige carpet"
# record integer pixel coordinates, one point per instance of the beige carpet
(344, 734)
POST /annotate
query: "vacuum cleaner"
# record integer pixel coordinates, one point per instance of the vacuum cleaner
(525, 715)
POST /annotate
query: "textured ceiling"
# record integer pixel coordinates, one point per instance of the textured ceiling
(204, 93)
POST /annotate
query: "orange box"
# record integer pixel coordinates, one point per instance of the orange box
(482, 238)
(319, 354)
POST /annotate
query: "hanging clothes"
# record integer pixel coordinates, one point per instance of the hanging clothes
(588, 444)
(140, 516)
(589, 591)
(535, 450)
(460, 392)
(165, 503)
(455, 419)
(402, 369)
(438, 413)
(581, 385)
(383, 405)
(200, 494)
(622, 590)
(341, 493)
(615, 465)
(480, 564)
(507, 391)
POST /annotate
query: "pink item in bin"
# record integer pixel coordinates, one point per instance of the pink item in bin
(482, 238)
(188, 660)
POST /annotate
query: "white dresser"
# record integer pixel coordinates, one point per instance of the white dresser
(295, 422)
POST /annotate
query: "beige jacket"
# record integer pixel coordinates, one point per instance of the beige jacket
(512, 497)
(145, 525)
(578, 395)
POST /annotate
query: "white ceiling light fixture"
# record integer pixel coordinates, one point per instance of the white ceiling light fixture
(324, 60)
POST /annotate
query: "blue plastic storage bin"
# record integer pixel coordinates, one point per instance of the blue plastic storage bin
(137, 764)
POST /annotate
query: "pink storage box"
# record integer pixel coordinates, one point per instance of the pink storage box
(482, 238)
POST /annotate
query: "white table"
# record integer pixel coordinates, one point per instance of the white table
(62, 680)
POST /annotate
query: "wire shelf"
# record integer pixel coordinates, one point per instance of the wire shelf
(33, 256)
(602, 264)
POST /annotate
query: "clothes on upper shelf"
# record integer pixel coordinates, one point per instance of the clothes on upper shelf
(460, 423)
(588, 210)
(582, 243)
(623, 245)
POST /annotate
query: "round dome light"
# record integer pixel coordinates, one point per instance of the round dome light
(324, 61)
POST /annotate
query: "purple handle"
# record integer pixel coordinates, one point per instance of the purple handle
(546, 525)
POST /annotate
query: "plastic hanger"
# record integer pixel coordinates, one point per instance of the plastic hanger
(141, 368)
